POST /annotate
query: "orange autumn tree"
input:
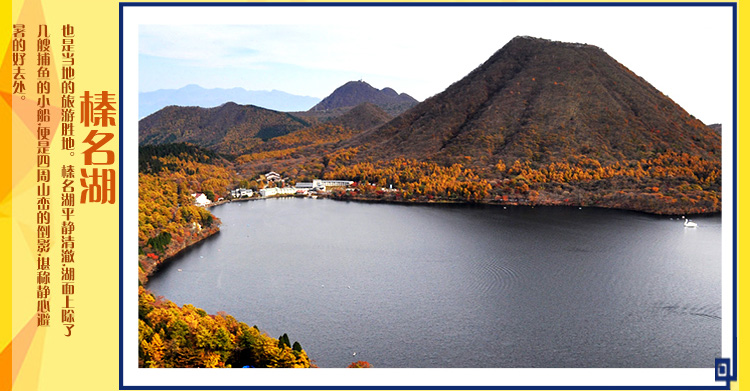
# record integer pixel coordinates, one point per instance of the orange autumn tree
(360, 364)
(168, 219)
(187, 337)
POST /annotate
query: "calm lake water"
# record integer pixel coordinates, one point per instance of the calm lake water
(462, 286)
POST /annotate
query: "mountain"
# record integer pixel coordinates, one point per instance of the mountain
(362, 117)
(544, 101)
(303, 153)
(297, 153)
(193, 95)
(546, 123)
(229, 128)
(354, 93)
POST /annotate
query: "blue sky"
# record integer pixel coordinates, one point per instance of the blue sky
(683, 51)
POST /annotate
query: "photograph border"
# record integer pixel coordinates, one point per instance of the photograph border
(726, 369)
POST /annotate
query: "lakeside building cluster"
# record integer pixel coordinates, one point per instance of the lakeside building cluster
(304, 188)
(299, 189)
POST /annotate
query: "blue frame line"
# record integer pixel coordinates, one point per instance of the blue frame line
(122, 159)
(733, 376)
(429, 4)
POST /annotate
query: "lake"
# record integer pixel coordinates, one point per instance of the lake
(462, 286)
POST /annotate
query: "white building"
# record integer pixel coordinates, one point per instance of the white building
(321, 184)
(336, 183)
(201, 199)
(241, 192)
(280, 191)
(315, 184)
(273, 176)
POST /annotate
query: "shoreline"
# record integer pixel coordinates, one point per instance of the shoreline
(375, 200)
(171, 253)
(489, 203)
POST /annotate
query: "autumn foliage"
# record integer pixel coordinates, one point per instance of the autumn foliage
(187, 337)
(360, 364)
(667, 183)
(413, 180)
(168, 220)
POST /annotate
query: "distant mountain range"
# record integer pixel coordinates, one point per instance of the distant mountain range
(194, 95)
(236, 129)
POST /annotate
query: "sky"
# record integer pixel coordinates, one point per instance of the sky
(685, 52)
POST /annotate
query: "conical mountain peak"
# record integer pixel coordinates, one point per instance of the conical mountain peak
(354, 93)
(544, 100)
